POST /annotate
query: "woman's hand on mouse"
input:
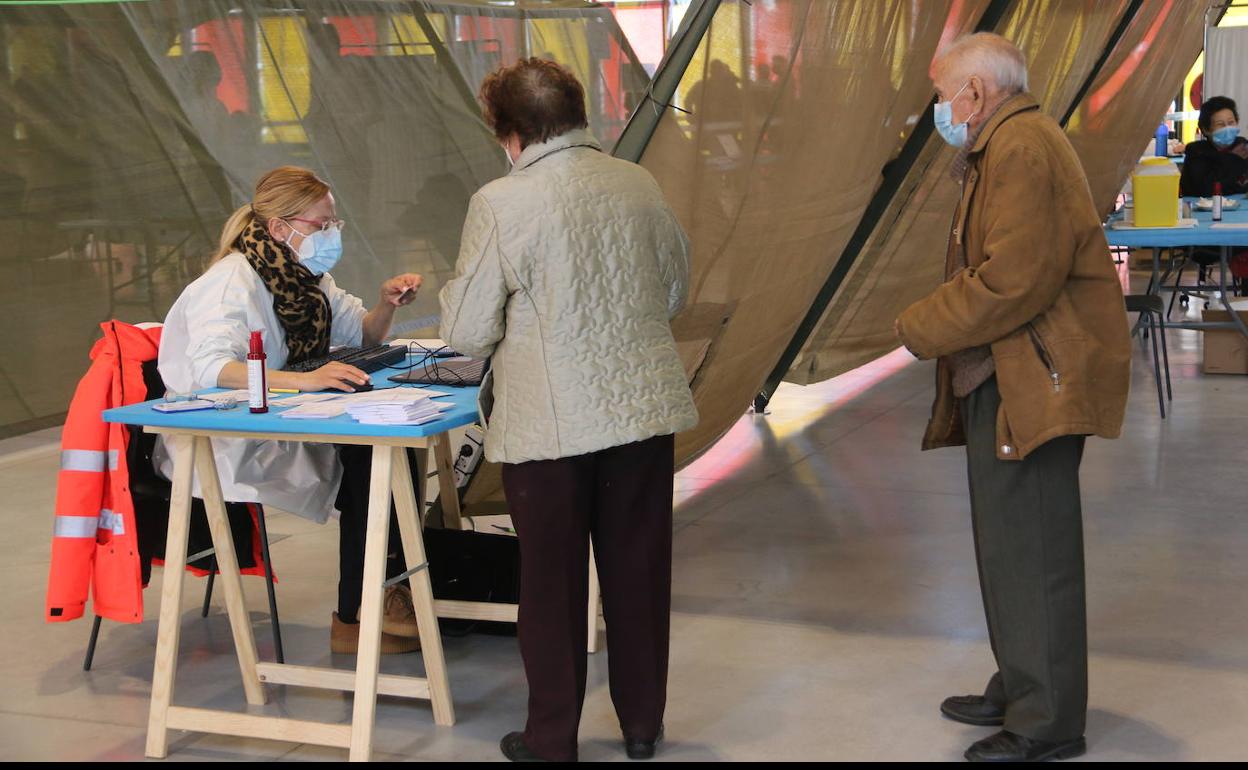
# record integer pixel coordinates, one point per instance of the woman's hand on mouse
(333, 376)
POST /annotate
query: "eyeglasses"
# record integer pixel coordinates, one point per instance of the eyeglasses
(325, 226)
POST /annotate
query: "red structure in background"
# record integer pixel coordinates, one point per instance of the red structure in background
(497, 36)
(224, 39)
(645, 27)
(357, 34)
(769, 27)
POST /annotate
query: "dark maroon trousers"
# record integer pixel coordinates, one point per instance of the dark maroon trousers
(622, 498)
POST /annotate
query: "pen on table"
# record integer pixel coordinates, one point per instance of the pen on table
(283, 390)
(505, 529)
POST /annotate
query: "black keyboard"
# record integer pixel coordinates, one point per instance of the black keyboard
(366, 359)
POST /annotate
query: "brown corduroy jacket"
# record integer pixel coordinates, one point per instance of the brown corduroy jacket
(1040, 287)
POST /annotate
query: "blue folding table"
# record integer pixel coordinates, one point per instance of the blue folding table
(189, 436)
(1231, 235)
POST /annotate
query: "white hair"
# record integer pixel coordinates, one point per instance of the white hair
(993, 58)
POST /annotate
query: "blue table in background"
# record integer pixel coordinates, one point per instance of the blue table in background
(1203, 234)
(189, 436)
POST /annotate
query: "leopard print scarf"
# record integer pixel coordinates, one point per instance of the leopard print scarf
(301, 306)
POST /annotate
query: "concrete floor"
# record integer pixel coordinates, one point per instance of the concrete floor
(825, 600)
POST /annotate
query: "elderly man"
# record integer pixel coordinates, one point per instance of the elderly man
(1033, 352)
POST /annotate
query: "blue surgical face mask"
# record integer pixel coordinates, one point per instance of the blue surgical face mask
(943, 117)
(1225, 136)
(320, 251)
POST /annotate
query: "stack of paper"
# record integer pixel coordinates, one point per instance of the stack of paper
(314, 411)
(323, 406)
(396, 412)
(303, 398)
(390, 395)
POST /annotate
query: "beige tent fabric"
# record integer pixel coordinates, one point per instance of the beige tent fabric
(770, 180)
(904, 258)
(897, 264)
(137, 127)
(1141, 77)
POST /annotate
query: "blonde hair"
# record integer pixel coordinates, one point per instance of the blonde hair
(282, 192)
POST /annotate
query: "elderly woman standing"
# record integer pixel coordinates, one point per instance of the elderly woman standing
(570, 269)
(1030, 330)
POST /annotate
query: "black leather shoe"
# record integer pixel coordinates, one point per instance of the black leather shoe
(515, 749)
(973, 710)
(642, 749)
(1006, 746)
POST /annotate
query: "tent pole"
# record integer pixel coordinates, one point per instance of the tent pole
(879, 204)
(649, 111)
(1127, 17)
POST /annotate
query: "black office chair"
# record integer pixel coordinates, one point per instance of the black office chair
(151, 494)
(1152, 310)
(1204, 259)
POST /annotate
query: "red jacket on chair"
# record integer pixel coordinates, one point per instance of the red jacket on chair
(99, 542)
(95, 540)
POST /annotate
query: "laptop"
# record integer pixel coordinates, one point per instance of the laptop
(457, 372)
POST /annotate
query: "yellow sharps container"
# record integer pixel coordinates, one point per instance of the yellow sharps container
(1155, 185)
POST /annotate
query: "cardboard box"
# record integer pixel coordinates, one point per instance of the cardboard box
(1226, 350)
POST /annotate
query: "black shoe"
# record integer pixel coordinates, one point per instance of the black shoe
(515, 749)
(973, 710)
(1006, 746)
(642, 749)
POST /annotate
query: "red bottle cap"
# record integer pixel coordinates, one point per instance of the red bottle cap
(1217, 188)
(257, 344)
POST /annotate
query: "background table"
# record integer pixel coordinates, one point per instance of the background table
(1203, 234)
(190, 437)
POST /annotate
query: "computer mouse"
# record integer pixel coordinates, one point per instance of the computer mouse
(364, 388)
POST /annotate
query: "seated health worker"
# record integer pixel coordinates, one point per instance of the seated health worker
(1222, 156)
(271, 273)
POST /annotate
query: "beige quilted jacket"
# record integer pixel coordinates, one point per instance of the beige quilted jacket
(569, 272)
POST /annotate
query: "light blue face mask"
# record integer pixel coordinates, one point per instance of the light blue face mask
(1225, 136)
(319, 251)
(943, 117)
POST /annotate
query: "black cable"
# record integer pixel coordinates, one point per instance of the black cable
(414, 348)
(435, 373)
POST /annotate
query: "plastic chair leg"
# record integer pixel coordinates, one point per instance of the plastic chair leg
(212, 575)
(268, 580)
(1161, 396)
(95, 634)
(1165, 356)
(1178, 281)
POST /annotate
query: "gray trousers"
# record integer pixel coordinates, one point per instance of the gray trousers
(1029, 546)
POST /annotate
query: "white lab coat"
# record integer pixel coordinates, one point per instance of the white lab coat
(209, 326)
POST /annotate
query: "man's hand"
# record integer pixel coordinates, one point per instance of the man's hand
(901, 339)
(1241, 150)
